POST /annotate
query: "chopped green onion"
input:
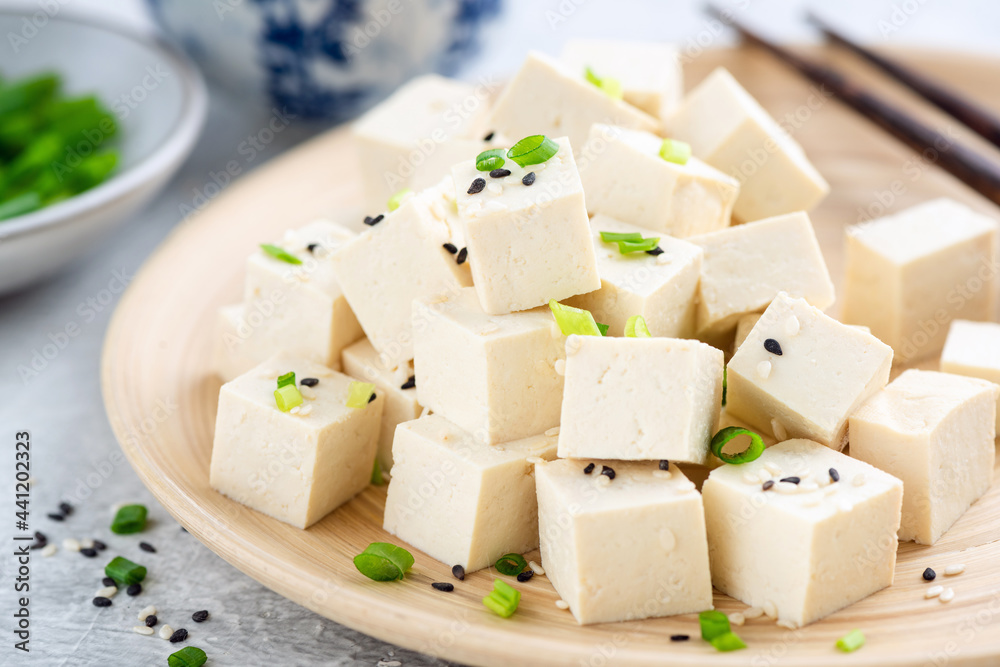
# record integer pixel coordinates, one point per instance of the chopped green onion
(377, 478)
(610, 86)
(728, 642)
(713, 624)
(613, 237)
(852, 641)
(287, 397)
(603, 328)
(396, 200)
(490, 159)
(626, 247)
(125, 571)
(19, 205)
(535, 149)
(382, 561)
(511, 564)
(636, 327)
(286, 379)
(279, 253)
(360, 394)
(129, 519)
(725, 383)
(503, 600)
(574, 320)
(189, 656)
(589, 75)
(751, 453)
(675, 151)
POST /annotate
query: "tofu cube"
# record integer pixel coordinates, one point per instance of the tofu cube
(295, 466)
(649, 72)
(302, 307)
(730, 130)
(624, 177)
(527, 243)
(824, 372)
(745, 267)
(935, 431)
(546, 98)
(626, 548)
(423, 120)
(363, 363)
(801, 551)
(492, 375)
(973, 349)
(662, 288)
(400, 259)
(460, 501)
(910, 274)
(640, 399)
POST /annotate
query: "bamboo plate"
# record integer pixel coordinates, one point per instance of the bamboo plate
(161, 401)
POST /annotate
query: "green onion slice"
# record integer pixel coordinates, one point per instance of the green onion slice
(129, 519)
(574, 320)
(675, 151)
(511, 564)
(728, 642)
(280, 253)
(286, 379)
(614, 237)
(626, 247)
(713, 624)
(503, 600)
(610, 86)
(603, 328)
(125, 571)
(287, 397)
(396, 200)
(360, 394)
(189, 656)
(535, 149)
(636, 327)
(377, 478)
(490, 159)
(852, 641)
(751, 453)
(382, 561)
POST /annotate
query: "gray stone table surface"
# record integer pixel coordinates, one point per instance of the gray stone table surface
(75, 458)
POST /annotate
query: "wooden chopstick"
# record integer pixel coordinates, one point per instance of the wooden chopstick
(979, 119)
(976, 171)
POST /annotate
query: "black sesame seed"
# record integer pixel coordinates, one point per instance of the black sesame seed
(791, 480)
(108, 581)
(450, 247)
(89, 552)
(443, 586)
(525, 576)
(489, 136)
(309, 382)
(463, 255)
(477, 186)
(772, 346)
(410, 383)
(664, 465)
(679, 638)
(101, 602)
(608, 472)
(929, 574)
(768, 484)
(499, 173)
(146, 546)
(458, 572)
(200, 616)
(589, 469)
(100, 546)
(56, 517)
(151, 620)
(834, 475)
(529, 178)
(372, 397)
(178, 636)
(371, 222)
(655, 251)
(134, 589)
(41, 537)
(39, 543)
(66, 509)
(312, 247)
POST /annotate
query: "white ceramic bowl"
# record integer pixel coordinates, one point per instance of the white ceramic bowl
(159, 100)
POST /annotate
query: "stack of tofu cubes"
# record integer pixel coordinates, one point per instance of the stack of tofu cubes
(501, 434)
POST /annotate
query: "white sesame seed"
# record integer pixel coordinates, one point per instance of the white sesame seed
(307, 393)
(830, 490)
(495, 189)
(70, 544)
(933, 592)
(764, 474)
(148, 611)
(764, 369)
(166, 631)
(536, 568)
(736, 618)
(779, 430)
(603, 480)
(389, 663)
(142, 630)
(562, 604)
(552, 432)
(947, 595)
(295, 410)
(48, 550)
(952, 570)
(304, 410)
(106, 592)
(752, 612)
(773, 468)
(662, 474)
(859, 479)
(770, 609)
(845, 506)
(808, 487)
(750, 477)
(86, 544)
(786, 487)
(32, 481)
(792, 325)
(560, 367)
(555, 331)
